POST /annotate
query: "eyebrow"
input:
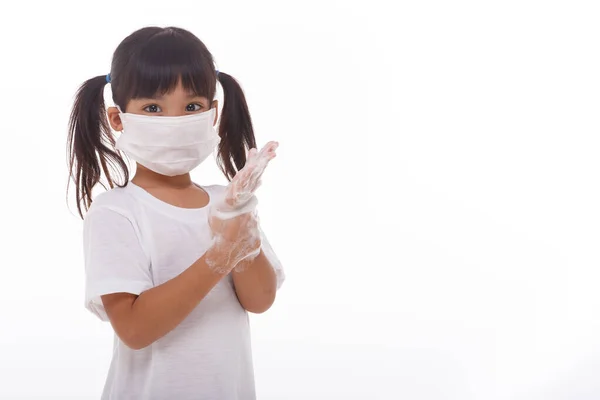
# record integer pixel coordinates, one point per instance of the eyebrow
(161, 97)
(157, 97)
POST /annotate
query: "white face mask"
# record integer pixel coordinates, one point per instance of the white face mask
(168, 145)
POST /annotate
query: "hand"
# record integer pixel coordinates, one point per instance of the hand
(233, 219)
(244, 184)
(234, 228)
(235, 239)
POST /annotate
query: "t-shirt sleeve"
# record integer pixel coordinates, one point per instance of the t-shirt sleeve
(273, 259)
(114, 258)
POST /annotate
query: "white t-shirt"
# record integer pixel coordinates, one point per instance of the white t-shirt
(133, 242)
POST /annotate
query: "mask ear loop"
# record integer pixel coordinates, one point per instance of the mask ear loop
(215, 152)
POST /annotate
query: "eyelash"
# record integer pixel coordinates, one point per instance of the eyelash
(199, 107)
(151, 105)
(194, 104)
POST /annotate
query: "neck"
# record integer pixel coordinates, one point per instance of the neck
(147, 178)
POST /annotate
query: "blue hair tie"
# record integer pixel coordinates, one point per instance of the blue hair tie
(217, 72)
(108, 78)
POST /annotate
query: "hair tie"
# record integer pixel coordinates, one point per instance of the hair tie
(217, 72)
(108, 78)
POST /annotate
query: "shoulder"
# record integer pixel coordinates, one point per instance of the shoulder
(118, 200)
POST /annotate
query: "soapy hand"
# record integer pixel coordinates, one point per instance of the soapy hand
(233, 218)
(244, 184)
(235, 240)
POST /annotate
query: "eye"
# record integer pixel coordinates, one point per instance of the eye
(152, 108)
(193, 107)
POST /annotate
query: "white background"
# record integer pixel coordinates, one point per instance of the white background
(434, 202)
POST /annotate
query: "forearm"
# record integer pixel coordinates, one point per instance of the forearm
(157, 311)
(256, 284)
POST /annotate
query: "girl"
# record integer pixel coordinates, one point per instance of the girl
(174, 266)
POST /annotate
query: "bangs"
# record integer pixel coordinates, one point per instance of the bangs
(164, 60)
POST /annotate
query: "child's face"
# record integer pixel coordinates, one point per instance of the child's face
(174, 104)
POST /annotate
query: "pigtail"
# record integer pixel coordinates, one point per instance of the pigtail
(91, 145)
(235, 128)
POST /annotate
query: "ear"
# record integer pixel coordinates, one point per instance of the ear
(215, 105)
(114, 119)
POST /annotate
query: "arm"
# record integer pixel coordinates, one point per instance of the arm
(256, 284)
(141, 320)
(256, 281)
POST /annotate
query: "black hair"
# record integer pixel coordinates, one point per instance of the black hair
(148, 62)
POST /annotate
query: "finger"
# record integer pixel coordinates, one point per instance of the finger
(255, 157)
(269, 149)
(271, 145)
(260, 169)
(237, 187)
(257, 184)
(233, 188)
(268, 154)
(261, 163)
(252, 153)
(244, 182)
(256, 177)
(243, 190)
